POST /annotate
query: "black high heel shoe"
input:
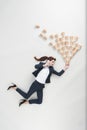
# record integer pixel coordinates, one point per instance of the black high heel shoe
(12, 86)
(22, 102)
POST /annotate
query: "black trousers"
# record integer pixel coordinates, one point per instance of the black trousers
(35, 87)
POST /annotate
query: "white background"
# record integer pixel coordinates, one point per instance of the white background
(63, 105)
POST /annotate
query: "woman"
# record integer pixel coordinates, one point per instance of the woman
(42, 75)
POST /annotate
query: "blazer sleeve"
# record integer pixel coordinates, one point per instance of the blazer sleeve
(39, 66)
(58, 73)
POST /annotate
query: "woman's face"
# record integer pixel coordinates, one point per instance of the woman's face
(51, 63)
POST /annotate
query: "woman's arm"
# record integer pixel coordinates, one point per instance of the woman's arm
(58, 73)
(62, 71)
(39, 66)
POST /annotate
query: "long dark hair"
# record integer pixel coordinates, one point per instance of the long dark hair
(43, 58)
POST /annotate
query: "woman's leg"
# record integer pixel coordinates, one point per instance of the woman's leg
(39, 99)
(32, 89)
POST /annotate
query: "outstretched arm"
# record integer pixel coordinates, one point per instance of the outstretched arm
(62, 71)
(58, 73)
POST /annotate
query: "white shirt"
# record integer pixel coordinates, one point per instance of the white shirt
(42, 75)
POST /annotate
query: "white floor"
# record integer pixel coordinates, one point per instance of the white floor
(63, 105)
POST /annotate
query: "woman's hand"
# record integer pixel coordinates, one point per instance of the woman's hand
(66, 67)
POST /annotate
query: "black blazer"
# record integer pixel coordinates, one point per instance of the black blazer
(39, 67)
